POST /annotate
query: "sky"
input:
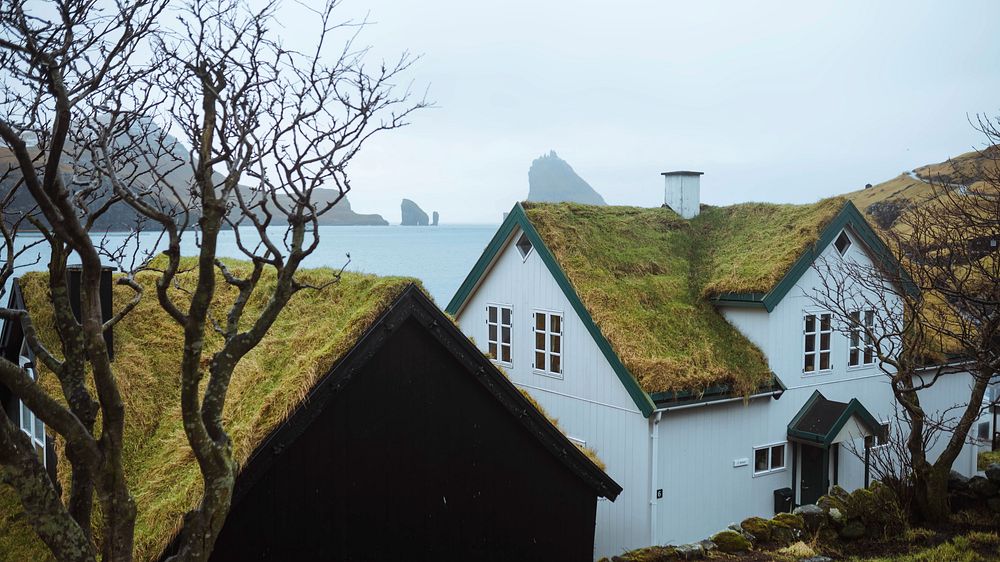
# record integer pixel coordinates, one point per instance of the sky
(774, 101)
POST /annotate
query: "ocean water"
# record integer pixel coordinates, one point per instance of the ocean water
(439, 256)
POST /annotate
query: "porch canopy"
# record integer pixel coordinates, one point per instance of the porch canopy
(815, 434)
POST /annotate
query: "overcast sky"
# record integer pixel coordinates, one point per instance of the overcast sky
(785, 102)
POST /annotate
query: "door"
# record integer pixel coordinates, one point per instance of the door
(811, 487)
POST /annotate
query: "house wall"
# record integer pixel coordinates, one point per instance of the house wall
(589, 400)
(412, 459)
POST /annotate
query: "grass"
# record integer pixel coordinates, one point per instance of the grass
(987, 458)
(975, 546)
(309, 336)
(645, 276)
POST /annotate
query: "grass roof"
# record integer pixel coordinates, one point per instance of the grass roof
(645, 274)
(310, 335)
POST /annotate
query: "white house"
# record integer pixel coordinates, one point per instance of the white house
(684, 348)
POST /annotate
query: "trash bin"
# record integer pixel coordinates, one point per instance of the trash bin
(783, 500)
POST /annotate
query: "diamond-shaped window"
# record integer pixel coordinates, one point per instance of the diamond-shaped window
(524, 245)
(843, 243)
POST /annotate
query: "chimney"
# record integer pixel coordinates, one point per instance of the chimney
(682, 192)
(75, 272)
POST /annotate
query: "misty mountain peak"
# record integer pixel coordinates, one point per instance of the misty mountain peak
(551, 179)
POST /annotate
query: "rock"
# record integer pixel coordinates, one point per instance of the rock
(731, 542)
(812, 515)
(993, 504)
(982, 487)
(551, 179)
(853, 529)
(708, 545)
(838, 498)
(758, 527)
(956, 481)
(412, 214)
(790, 520)
(817, 559)
(963, 500)
(835, 515)
(993, 473)
(783, 534)
(341, 214)
(434, 218)
(690, 551)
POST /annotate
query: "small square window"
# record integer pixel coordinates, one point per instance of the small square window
(768, 459)
(524, 245)
(983, 433)
(843, 243)
(760, 460)
(777, 457)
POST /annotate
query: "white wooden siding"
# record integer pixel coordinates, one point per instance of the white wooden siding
(588, 401)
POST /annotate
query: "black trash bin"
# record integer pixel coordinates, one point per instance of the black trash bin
(783, 500)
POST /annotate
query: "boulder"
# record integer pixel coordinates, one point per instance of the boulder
(435, 217)
(956, 481)
(690, 551)
(731, 542)
(708, 545)
(993, 504)
(982, 487)
(852, 529)
(783, 534)
(790, 520)
(836, 516)
(812, 515)
(836, 499)
(993, 473)
(757, 527)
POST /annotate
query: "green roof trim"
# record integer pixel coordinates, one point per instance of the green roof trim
(714, 393)
(851, 409)
(849, 216)
(517, 219)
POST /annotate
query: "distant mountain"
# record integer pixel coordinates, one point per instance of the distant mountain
(884, 202)
(551, 179)
(412, 214)
(121, 217)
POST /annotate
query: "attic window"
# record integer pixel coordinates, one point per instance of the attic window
(843, 242)
(524, 245)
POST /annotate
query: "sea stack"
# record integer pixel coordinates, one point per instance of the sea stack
(412, 214)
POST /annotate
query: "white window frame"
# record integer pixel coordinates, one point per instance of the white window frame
(531, 246)
(865, 342)
(498, 342)
(850, 242)
(818, 334)
(888, 434)
(24, 413)
(770, 457)
(548, 354)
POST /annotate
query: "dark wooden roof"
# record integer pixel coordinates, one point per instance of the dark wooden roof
(820, 419)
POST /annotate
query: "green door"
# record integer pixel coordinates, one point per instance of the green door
(813, 469)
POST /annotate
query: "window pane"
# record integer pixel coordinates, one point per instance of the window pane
(555, 323)
(824, 341)
(506, 315)
(540, 341)
(760, 460)
(824, 361)
(870, 318)
(824, 323)
(810, 363)
(25, 418)
(492, 332)
(556, 364)
(869, 355)
(556, 342)
(854, 358)
(39, 430)
(40, 451)
(810, 323)
(493, 349)
(505, 334)
(492, 313)
(778, 456)
(540, 360)
(810, 343)
(855, 318)
(539, 321)
(505, 353)
(855, 338)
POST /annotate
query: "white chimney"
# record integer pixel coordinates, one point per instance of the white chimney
(682, 192)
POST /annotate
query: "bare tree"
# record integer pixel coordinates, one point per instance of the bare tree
(91, 95)
(937, 313)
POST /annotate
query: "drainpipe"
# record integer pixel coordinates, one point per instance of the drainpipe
(654, 436)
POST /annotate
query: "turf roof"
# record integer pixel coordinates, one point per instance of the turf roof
(646, 276)
(309, 336)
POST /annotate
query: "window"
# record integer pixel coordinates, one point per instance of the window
(880, 439)
(843, 242)
(983, 431)
(862, 345)
(498, 323)
(548, 342)
(29, 423)
(818, 333)
(524, 246)
(769, 459)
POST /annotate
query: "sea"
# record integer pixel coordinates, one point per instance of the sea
(440, 256)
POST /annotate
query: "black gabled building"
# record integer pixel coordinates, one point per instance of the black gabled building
(415, 447)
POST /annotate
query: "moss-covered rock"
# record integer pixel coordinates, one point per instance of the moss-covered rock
(758, 527)
(731, 542)
(649, 554)
(790, 520)
(836, 499)
(852, 529)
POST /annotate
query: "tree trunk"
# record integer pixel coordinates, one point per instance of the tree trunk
(931, 494)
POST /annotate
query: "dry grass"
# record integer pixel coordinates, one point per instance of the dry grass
(310, 335)
(644, 275)
(986, 458)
